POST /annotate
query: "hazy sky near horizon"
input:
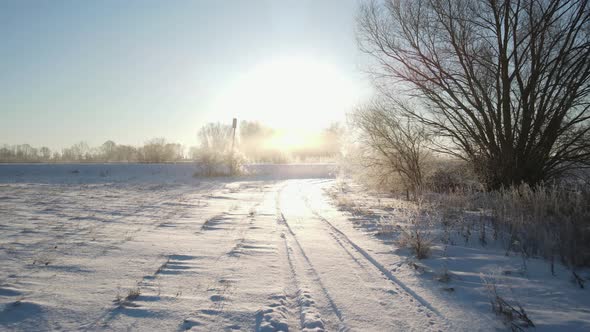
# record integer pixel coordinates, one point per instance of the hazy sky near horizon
(137, 69)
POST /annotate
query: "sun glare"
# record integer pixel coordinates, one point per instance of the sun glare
(294, 139)
(294, 94)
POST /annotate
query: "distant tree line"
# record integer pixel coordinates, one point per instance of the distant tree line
(214, 147)
(156, 150)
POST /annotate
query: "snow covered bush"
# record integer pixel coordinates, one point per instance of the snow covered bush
(386, 226)
(418, 240)
(417, 235)
(215, 155)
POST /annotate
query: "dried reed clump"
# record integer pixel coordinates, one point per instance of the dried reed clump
(547, 221)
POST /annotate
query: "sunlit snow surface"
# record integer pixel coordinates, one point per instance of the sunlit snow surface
(151, 248)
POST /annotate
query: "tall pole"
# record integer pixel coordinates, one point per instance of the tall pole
(233, 143)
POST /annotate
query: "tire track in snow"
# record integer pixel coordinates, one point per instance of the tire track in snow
(370, 273)
(338, 234)
(310, 318)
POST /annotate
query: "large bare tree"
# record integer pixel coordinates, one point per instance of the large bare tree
(505, 81)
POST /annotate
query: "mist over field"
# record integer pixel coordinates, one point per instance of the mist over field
(295, 166)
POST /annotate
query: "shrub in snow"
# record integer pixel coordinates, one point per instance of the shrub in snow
(132, 295)
(513, 314)
(216, 154)
(419, 241)
(417, 236)
(212, 163)
(449, 176)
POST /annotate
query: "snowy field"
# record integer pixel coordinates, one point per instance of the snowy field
(151, 248)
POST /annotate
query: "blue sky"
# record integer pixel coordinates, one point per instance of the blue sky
(133, 70)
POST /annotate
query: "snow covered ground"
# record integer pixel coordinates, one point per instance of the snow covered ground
(150, 248)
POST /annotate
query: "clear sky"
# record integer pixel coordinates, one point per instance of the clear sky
(132, 70)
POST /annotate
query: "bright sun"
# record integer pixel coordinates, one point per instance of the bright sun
(293, 94)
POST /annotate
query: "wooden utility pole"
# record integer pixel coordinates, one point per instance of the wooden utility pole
(233, 143)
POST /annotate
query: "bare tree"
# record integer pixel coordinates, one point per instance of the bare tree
(215, 137)
(45, 153)
(214, 152)
(174, 152)
(254, 139)
(331, 140)
(108, 149)
(126, 153)
(154, 150)
(506, 82)
(77, 152)
(395, 145)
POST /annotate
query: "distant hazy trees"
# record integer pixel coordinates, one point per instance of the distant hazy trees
(157, 150)
(45, 153)
(108, 149)
(254, 142)
(258, 144)
(328, 145)
(24, 153)
(255, 139)
(332, 139)
(504, 84)
(154, 151)
(21, 153)
(77, 152)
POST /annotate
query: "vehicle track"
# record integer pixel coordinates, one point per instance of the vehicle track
(305, 301)
(362, 292)
(357, 251)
